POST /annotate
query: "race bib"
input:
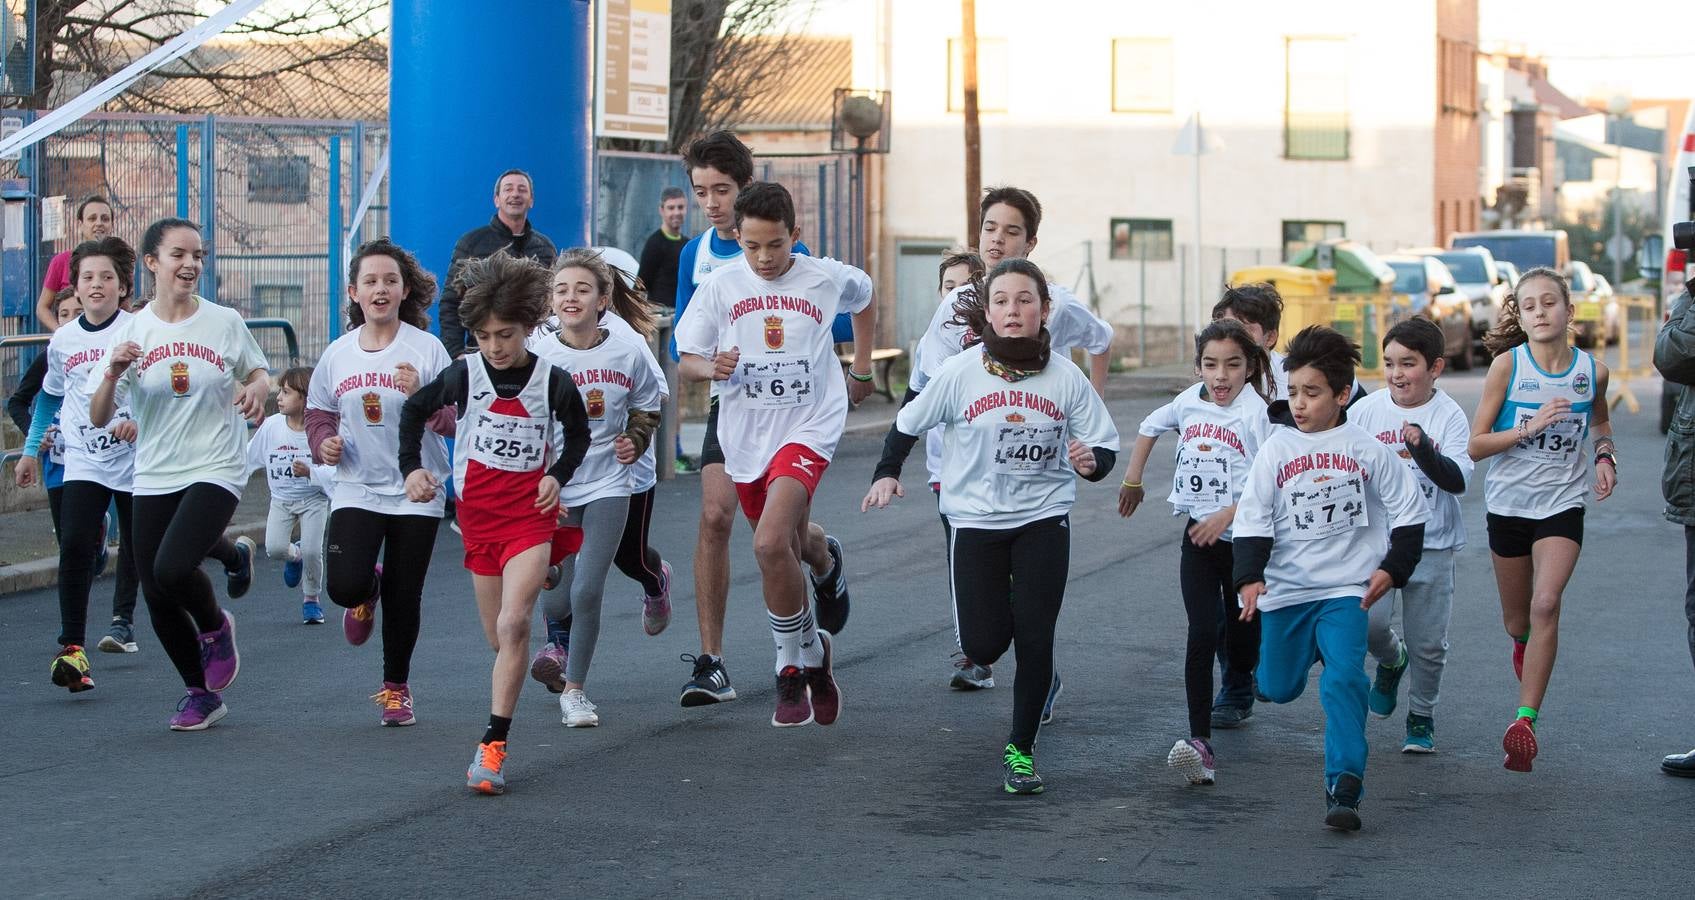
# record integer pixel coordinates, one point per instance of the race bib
(777, 383)
(1326, 506)
(1027, 449)
(1203, 479)
(508, 443)
(56, 453)
(1557, 444)
(99, 444)
(280, 465)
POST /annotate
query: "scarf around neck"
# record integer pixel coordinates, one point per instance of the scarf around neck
(1015, 358)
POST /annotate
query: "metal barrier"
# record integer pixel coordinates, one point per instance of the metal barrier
(665, 455)
(1638, 321)
(1363, 318)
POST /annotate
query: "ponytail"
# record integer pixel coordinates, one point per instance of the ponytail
(629, 295)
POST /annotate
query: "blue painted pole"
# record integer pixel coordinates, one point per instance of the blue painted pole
(479, 88)
(209, 206)
(335, 238)
(182, 172)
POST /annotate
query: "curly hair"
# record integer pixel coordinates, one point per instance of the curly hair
(1257, 303)
(1328, 351)
(114, 249)
(629, 300)
(505, 287)
(419, 285)
(1508, 333)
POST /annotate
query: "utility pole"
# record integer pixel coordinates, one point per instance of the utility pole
(973, 136)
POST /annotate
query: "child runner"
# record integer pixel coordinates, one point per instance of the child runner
(1221, 423)
(621, 396)
(98, 463)
(720, 167)
(191, 372)
(1021, 420)
(1428, 431)
(1541, 400)
(299, 492)
(509, 465)
(353, 423)
(1259, 308)
(761, 326)
(1313, 559)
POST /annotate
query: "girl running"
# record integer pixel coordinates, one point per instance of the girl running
(1220, 424)
(191, 372)
(622, 398)
(1542, 399)
(98, 464)
(352, 422)
(299, 492)
(510, 464)
(1021, 424)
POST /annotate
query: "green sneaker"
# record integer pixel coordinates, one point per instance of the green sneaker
(1381, 699)
(1421, 734)
(1021, 777)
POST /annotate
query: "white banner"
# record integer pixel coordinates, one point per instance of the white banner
(633, 79)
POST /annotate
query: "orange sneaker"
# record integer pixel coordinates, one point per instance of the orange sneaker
(484, 774)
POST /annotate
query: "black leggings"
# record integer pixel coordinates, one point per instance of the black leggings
(353, 539)
(635, 558)
(1008, 585)
(173, 534)
(1209, 597)
(81, 526)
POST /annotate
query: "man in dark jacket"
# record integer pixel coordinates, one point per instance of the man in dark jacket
(509, 230)
(658, 269)
(1674, 356)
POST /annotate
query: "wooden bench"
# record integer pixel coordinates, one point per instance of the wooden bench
(881, 361)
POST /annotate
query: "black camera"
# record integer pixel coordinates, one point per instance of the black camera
(1683, 233)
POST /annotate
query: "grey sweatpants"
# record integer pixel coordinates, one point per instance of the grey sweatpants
(584, 580)
(1426, 603)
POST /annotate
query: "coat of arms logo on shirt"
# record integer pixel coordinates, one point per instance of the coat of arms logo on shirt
(596, 400)
(1015, 418)
(1580, 385)
(774, 332)
(373, 406)
(179, 378)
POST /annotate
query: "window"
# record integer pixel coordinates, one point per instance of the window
(278, 179)
(1141, 75)
(1299, 235)
(991, 75)
(1141, 239)
(1315, 105)
(1456, 73)
(280, 301)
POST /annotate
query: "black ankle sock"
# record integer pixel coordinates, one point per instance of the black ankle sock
(497, 728)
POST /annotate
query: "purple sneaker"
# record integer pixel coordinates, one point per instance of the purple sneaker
(218, 657)
(396, 701)
(358, 623)
(549, 667)
(198, 710)
(656, 611)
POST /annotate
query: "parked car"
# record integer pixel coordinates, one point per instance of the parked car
(1425, 287)
(1509, 273)
(1476, 277)
(1587, 287)
(1525, 249)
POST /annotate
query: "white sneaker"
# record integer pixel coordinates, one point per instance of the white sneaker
(579, 712)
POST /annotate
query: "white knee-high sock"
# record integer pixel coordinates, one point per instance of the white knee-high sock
(788, 632)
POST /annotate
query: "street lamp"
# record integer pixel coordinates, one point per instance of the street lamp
(1617, 106)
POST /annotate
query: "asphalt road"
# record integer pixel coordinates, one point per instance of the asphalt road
(300, 793)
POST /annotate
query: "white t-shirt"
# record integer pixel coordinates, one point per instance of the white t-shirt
(1328, 502)
(613, 379)
(90, 454)
(788, 387)
(1070, 326)
(1005, 461)
(1443, 422)
(1549, 473)
(181, 393)
(274, 449)
(645, 473)
(358, 385)
(1215, 446)
(1279, 377)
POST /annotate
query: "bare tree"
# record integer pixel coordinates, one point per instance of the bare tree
(727, 55)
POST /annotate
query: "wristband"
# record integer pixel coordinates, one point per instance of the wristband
(1607, 457)
(113, 376)
(1136, 485)
(856, 376)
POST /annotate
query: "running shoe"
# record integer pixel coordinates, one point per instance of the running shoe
(555, 574)
(1680, 764)
(576, 711)
(197, 710)
(1382, 697)
(821, 684)
(1520, 744)
(549, 667)
(484, 774)
(293, 567)
(120, 638)
(396, 701)
(1231, 716)
(830, 593)
(969, 676)
(70, 669)
(311, 612)
(1193, 758)
(710, 682)
(1053, 694)
(656, 611)
(1421, 735)
(1019, 772)
(241, 577)
(1518, 658)
(358, 623)
(1342, 803)
(219, 658)
(793, 707)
